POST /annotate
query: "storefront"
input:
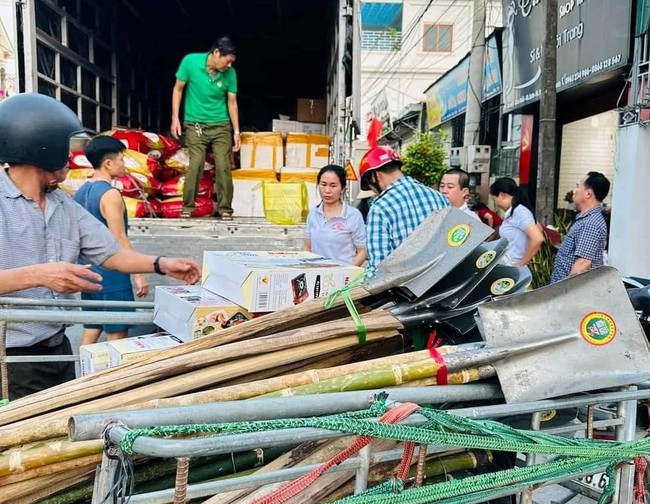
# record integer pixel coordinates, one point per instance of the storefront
(593, 57)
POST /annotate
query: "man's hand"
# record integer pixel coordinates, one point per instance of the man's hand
(141, 286)
(185, 270)
(67, 278)
(236, 142)
(176, 129)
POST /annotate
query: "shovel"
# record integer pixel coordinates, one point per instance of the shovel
(591, 336)
(499, 281)
(432, 250)
(436, 247)
(457, 284)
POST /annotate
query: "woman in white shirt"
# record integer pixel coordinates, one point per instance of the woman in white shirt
(519, 227)
(335, 229)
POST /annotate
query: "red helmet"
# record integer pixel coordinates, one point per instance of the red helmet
(373, 159)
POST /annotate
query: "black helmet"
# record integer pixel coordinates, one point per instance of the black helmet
(37, 130)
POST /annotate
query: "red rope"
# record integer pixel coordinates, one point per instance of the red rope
(293, 488)
(405, 464)
(640, 465)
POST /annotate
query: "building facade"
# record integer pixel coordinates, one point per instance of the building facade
(407, 45)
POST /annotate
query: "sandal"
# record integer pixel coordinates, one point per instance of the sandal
(186, 215)
(226, 217)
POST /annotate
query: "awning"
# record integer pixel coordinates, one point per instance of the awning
(642, 17)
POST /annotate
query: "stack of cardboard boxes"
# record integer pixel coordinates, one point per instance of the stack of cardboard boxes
(236, 286)
(293, 151)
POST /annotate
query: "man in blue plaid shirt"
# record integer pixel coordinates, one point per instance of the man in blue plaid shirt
(583, 247)
(400, 207)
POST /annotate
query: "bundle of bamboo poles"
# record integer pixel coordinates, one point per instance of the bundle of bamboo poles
(276, 354)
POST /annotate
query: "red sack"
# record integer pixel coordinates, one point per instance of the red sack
(78, 160)
(174, 187)
(170, 146)
(134, 184)
(136, 208)
(171, 208)
(140, 141)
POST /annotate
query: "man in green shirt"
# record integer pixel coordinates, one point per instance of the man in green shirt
(211, 119)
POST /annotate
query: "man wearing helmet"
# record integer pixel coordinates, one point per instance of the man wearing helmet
(400, 207)
(43, 233)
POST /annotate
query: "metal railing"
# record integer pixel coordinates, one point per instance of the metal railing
(71, 311)
(117, 425)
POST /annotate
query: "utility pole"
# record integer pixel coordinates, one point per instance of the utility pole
(545, 195)
(475, 86)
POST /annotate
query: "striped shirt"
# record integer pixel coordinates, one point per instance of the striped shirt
(28, 236)
(394, 215)
(585, 240)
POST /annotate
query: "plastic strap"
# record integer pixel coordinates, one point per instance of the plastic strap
(345, 294)
(442, 375)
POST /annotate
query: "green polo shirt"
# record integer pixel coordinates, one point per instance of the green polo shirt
(206, 98)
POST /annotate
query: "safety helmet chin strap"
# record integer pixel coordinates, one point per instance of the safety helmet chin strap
(373, 182)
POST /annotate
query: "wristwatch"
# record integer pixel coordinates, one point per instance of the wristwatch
(156, 265)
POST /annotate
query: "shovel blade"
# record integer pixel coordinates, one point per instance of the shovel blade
(443, 240)
(610, 349)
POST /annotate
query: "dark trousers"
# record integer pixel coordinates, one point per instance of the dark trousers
(219, 137)
(29, 377)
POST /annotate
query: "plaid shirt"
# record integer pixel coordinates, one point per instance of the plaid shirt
(395, 213)
(586, 239)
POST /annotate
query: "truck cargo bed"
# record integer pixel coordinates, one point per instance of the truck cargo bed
(191, 237)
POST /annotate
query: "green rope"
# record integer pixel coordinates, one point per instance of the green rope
(485, 486)
(347, 298)
(443, 428)
(4, 402)
(359, 424)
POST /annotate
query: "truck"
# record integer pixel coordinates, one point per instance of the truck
(113, 63)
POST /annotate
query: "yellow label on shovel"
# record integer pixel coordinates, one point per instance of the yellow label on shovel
(501, 286)
(598, 328)
(457, 235)
(485, 259)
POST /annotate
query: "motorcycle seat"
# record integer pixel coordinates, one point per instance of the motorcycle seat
(640, 298)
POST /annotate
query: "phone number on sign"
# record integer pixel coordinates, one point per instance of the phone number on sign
(593, 69)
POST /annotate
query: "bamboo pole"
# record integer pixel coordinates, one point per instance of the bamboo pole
(391, 376)
(55, 423)
(45, 454)
(124, 377)
(89, 462)
(256, 389)
(35, 489)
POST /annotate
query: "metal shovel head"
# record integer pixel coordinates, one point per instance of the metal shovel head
(606, 346)
(436, 246)
(477, 264)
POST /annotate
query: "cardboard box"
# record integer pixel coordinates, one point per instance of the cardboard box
(269, 281)
(262, 150)
(311, 110)
(285, 127)
(189, 311)
(131, 349)
(319, 129)
(93, 357)
(306, 150)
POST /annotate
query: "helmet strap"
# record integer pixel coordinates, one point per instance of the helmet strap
(373, 182)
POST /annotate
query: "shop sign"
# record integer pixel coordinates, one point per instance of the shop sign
(379, 107)
(593, 37)
(447, 97)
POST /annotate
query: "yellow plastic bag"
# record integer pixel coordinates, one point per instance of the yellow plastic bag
(285, 203)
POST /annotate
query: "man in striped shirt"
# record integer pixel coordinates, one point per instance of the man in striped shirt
(401, 204)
